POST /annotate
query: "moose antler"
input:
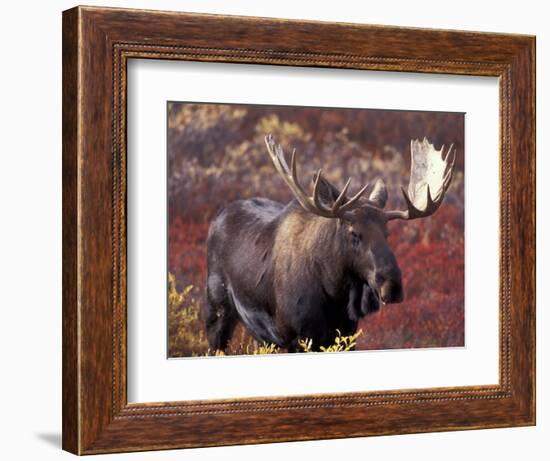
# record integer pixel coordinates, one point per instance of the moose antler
(431, 175)
(313, 203)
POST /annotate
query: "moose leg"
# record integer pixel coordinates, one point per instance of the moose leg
(293, 346)
(348, 329)
(220, 317)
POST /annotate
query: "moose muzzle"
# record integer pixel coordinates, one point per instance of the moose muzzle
(391, 291)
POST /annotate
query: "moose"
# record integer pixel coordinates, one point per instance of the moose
(313, 267)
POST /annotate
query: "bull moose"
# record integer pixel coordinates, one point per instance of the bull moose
(315, 266)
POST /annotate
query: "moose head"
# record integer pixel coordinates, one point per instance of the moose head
(361, 221)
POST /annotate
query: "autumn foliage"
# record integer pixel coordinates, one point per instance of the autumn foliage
(216, 154)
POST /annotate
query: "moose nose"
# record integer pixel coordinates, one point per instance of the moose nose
(391, 292)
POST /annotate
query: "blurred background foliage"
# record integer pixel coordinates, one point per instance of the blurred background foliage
(216, 154)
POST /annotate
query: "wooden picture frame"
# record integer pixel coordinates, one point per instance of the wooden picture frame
(97, 44)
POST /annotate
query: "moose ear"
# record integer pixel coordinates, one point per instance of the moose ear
(327, 192)
(379, 193)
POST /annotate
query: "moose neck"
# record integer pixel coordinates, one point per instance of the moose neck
(315, 245)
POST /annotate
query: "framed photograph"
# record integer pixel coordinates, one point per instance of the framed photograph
(281, 230)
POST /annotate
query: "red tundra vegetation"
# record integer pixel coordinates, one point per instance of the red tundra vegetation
(216, 154)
